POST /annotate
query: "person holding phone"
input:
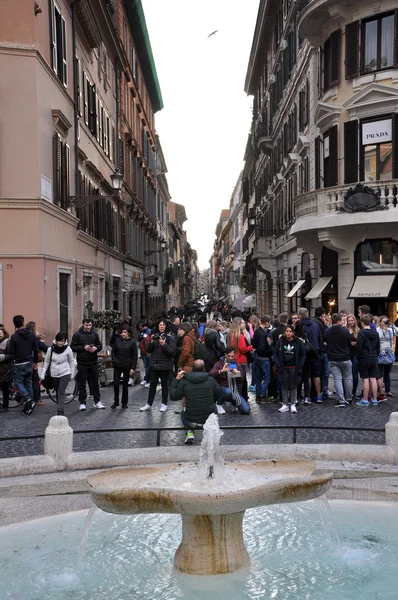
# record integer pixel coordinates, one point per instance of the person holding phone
(86, 343)
(229, 375)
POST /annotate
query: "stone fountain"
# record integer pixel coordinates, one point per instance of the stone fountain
(211, 498)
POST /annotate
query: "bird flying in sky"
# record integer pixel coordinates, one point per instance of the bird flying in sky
(212, 33)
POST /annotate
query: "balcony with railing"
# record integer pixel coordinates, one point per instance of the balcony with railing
(263, 138)
(346, 206)
(313, 14)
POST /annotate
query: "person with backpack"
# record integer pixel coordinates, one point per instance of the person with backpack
(187, 338)
(262, 359)
(60, 365)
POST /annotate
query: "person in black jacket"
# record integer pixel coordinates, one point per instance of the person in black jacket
(213, 344)
(368, 350)
(86, 344)
(338, 348)
(201, 393)
(124, 358)
(161, 348)
(23, 347)
(289, 356)
(262, 359)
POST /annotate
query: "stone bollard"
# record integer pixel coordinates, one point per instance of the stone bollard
(392, 432)
(58, 441)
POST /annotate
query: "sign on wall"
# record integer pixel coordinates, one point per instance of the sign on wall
(376, 132)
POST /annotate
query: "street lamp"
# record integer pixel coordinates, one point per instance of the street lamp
(163, 245)
(252, 218)
(117, 180)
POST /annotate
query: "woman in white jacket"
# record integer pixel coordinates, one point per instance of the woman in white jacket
(59, 359)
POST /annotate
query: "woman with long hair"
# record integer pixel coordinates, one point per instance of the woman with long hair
(6, 367)
(237, 340)
(161, 348)
(352, 326)
(186, 334)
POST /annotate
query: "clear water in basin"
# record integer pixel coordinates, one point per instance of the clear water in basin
(296, 554)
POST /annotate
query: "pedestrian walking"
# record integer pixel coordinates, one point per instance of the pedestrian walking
(87, 345)
(124, 358)
(338, 347)
(23, 347)
(59, 364)
(161, 349)
(6, 368)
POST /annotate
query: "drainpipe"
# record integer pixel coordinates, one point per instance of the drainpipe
(75, 96)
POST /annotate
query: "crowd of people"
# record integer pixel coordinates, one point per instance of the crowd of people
(206, 355)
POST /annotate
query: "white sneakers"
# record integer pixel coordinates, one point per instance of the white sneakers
(163, 408)
(98, 405)
(146, 407)
(220, 409)
(147, 385)
(285, 408)
(143, 382)
(82, 407)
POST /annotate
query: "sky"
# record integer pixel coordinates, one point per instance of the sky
(206, 118)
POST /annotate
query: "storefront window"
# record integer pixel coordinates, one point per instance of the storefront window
(377, 150)
(376, 256)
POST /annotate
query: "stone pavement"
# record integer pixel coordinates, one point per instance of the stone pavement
(15, 425)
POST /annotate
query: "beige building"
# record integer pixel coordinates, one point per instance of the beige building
(324, 76)
(66, 235)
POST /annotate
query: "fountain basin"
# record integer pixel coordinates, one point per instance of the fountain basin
(212, 510)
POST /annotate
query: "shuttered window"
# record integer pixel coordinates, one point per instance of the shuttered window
(330, 157)
(317, 163)
(351, 142)
(61, 176)
(58, 44)
(331, 60)
(352, 50)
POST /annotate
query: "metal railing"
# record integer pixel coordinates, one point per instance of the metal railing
(160, 430)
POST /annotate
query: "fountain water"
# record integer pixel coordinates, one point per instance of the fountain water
(211, 500)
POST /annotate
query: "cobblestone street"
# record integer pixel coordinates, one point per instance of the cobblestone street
(16, 426)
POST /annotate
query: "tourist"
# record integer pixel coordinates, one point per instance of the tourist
(229, 375)
(314, 336)
(310, 355)
(23, 347)
(368, 350)
(42, 352)
(86, 343)
(199, 393)
(279, 329)
(353, 329)
(293, 319)
(289, 356)
(262, 360)
(236, 339)
(124, 358)
(161, 349)
(6, 368)
(213, 344)
(60, 365)
(187, 340)
(365, 310)
(143, 341)
(386, 358)
(321, 320)
(338, 347)
(223, 330)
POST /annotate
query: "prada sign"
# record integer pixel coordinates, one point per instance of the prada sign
(376, 132)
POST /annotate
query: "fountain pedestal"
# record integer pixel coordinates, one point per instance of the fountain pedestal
(211, 511)
(211, 545)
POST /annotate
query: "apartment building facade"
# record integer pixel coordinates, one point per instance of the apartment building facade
(321, 165)
(83, 93)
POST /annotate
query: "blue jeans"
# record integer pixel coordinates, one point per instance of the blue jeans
(23, 380)
(342, 375)
(325, 374)
(244, 407)
(355, 375)
(262, 370)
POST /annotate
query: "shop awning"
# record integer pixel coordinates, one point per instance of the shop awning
(372, 286)
(296, 288)
(318, 288)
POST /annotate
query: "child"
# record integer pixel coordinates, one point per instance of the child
(368, 350)
(289, 357)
